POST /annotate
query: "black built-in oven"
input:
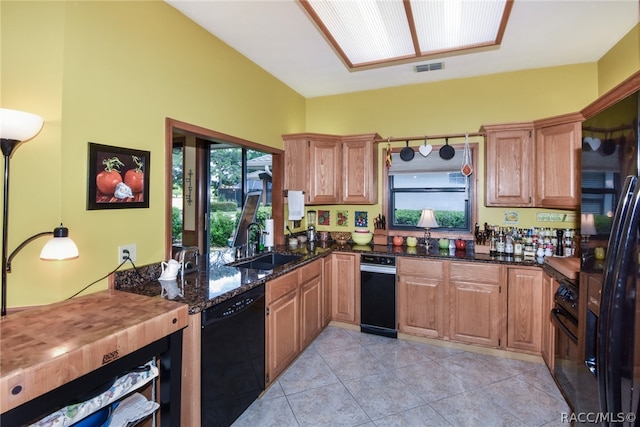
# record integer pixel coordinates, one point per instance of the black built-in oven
(575, 380)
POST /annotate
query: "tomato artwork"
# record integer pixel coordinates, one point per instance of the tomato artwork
(134, 178)
(107, 179)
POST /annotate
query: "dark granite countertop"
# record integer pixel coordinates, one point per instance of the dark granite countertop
(221, 281)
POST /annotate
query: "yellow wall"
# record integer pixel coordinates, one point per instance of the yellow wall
(459, 106)
(620, 62)
(110, 72)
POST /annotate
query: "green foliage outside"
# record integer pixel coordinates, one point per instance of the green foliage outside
(264, 212)
(224, 207)
(445, 219)
(176, 224)
(222, 227)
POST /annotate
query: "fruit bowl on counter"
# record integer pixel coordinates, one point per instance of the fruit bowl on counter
(341, 237)
(362, 237)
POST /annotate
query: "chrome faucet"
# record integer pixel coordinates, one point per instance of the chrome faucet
(251, 248)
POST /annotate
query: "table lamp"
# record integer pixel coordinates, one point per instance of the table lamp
(427, 221)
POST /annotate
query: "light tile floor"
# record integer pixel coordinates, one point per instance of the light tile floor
(346, 378)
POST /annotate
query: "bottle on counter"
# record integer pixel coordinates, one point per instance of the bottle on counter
(548, 251)
(508, 245)
(560, 245)
(493, 244)
(540, 251)
(518, 248)
(568, 242)
(500, 244)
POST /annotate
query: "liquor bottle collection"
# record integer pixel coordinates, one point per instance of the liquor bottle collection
(532, 243)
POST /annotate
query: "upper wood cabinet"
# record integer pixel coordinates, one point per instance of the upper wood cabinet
(360, 169)
(332, 169)
(509, 164)
(558, 148)
(534, 164)
(325, 171)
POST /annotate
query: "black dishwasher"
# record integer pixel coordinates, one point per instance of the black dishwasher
(232, 356)
(378, 295)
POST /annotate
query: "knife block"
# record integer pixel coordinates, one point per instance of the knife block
(379, 237)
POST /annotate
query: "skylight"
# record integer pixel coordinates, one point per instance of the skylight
(367, 33)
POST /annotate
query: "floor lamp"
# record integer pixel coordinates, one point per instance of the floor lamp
(16, 127)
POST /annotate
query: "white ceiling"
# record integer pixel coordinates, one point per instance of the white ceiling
(280, 37)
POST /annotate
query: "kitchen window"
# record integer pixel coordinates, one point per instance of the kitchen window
(430, 182)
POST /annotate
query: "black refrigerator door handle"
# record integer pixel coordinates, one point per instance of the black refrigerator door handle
(611, 323)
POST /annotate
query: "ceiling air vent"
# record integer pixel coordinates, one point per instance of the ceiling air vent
(429, 67)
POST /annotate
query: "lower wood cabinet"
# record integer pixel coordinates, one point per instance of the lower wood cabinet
(294, 315)
(476, 303)
(547, 347)
(524, 309)
(345, 287)
(326, 290)
(282, 325)
(311, 316)
(421, 296)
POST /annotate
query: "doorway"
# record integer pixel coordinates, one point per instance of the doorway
(208, 174)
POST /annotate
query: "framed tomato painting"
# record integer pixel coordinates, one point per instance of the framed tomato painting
(118, 177)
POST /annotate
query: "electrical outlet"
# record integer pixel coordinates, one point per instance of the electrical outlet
(122, 255)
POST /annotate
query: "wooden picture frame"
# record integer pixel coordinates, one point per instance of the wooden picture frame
(117, 177)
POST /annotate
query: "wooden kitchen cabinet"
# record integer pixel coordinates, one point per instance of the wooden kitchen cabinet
(294, 315)
(325, 171)
(359, 170)
(534, 164)
(421, 296)
(509, 164)
(547, 348)
(524, 309)
(332, 169)
(282, 326)
(345, 295)
(558, 148)
(326, 290)
(476, 303)
(311, 315)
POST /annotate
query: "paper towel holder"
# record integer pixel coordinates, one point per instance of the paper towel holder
(268, 235)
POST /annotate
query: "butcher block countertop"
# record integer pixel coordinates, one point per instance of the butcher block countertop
(569, 267)
(46, 347)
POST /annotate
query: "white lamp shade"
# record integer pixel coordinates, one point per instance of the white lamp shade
(587, 225)
(19, 125)
(427, 219)
(58, 248)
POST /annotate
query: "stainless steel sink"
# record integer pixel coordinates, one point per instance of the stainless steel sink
(268, 261)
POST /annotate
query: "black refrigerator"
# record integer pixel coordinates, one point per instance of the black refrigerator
(610, 215)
